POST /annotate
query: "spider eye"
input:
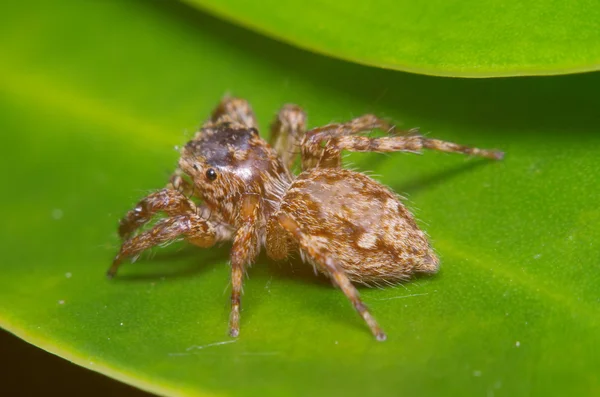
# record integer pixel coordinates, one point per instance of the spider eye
(194, 166)
(211, 174)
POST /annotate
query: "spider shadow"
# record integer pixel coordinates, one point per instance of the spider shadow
(422, 183)
(304, 273)
(189, 261)
(419, 184)
(294, 269)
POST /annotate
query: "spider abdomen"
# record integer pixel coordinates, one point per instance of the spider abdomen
(361, 224)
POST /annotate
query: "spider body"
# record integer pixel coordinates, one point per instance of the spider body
(232, 185)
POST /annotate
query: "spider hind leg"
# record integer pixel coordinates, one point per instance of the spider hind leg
(329, 265)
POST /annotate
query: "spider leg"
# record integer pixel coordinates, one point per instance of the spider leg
(311, 146)
(330, 154)
(355, 126)
(233, 110)
(179, 183)
(278, 243)
(244, 250)
(170, 201)
(318, 253)
(196, 230)
(287, 130)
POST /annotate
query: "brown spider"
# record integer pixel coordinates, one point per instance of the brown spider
(342, 222)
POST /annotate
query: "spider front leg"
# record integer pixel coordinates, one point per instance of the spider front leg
(234, 110)
(179, 183)
(195, 229)
(244, 251)
(318, 252)
(170, 201)
(287, 131)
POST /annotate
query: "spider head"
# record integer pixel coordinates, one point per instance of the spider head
(225, 161)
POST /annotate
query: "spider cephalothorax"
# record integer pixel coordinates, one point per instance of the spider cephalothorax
(233, 185)
(227, 161)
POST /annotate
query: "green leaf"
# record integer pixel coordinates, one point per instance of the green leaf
(474, 38)
(91, 109)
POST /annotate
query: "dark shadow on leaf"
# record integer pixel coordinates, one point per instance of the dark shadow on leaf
(560, 105)
(295, 269)
(426, 182)
(168, 265)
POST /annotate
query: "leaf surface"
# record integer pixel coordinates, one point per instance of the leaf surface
(91, 109)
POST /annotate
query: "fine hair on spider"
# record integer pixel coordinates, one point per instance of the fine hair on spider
(232, 185)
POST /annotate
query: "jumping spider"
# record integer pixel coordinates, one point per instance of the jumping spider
(345, 224)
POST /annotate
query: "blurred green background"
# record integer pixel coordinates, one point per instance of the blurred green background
(94, 97)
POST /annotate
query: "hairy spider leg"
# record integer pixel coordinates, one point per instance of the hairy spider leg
(170, 201)
(322, 146)
(244, 251)
(178, 182)
(331, 156)
(287, 130)
(312, 149)
(195, 229)
(329, 265)
(235, 111)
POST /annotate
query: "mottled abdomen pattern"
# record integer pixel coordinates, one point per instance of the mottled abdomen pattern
(361, 224)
